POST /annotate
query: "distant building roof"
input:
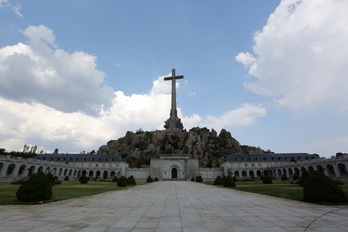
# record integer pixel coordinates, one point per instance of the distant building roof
(81, 157)
(270, 157)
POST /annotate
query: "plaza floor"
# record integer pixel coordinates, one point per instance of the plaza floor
(176, 206)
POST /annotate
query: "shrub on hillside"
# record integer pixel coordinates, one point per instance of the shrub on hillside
(131, 181)
(122, 182)
(229, 182)
(199, 179)
(320, 188)
(267, 180)
(83, 179)
(149, 179)
(218, 181)
(37, 188)
(115, 179)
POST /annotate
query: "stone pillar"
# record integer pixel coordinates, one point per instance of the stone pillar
(15, 171)
(4, 169)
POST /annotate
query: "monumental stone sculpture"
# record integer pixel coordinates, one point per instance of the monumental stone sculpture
(174, 122)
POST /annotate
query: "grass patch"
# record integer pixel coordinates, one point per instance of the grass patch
(293, 192)
(66, 190)
(279, 188)
(8, 194)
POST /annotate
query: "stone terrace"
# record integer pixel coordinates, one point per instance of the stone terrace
(175, 206)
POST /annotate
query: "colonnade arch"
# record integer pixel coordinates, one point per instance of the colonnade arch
(21, 170)
(105, 174)
(342, 169)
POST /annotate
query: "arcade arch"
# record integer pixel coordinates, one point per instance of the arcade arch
(342, 169)
(21, 170)
(10, 170)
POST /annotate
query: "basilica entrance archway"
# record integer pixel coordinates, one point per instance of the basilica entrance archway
(174, 173)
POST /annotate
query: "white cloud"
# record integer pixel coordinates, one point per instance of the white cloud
(39, 72)
(3, 3)
(160, 86)
(34, 123)
(245, 58)
(300, 56)
(55, 99)
(15, 7)
(49, 128)
(243, 116)
(328, 146)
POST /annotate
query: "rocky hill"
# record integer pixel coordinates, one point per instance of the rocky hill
(200, 143)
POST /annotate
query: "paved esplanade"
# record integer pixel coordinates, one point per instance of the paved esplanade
(175, 206)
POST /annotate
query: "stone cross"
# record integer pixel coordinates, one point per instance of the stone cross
(173, 111)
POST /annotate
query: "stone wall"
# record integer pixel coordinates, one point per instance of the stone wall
(210, 173)
(138, 173)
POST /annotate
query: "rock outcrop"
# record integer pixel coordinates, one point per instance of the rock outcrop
(200, 143)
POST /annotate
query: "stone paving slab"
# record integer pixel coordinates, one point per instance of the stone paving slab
(175, 206)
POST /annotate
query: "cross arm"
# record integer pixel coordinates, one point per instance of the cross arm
(171, 78)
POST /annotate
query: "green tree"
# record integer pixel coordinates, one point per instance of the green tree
(122, 181)
(51, 178)
(218, 181)
(320, 188)
(229, 182)
(131, 181)
(267, 180)
(37, 188)
(199, 179)
(303, 177)
(83, 179)
(284, 177)
(295, 177)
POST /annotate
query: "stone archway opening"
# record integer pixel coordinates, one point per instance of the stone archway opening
(342, 169)
(31, 171)
(174, 173)
(10, 170)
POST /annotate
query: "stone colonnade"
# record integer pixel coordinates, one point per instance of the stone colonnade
(335, 168)
(17, 168)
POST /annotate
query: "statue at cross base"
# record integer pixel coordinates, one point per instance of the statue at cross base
(174, 122)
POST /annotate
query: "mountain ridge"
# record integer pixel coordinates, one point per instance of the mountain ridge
(203, 144)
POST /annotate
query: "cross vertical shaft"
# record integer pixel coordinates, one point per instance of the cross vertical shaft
(172, 122)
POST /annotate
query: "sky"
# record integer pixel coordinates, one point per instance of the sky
(76, 74)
